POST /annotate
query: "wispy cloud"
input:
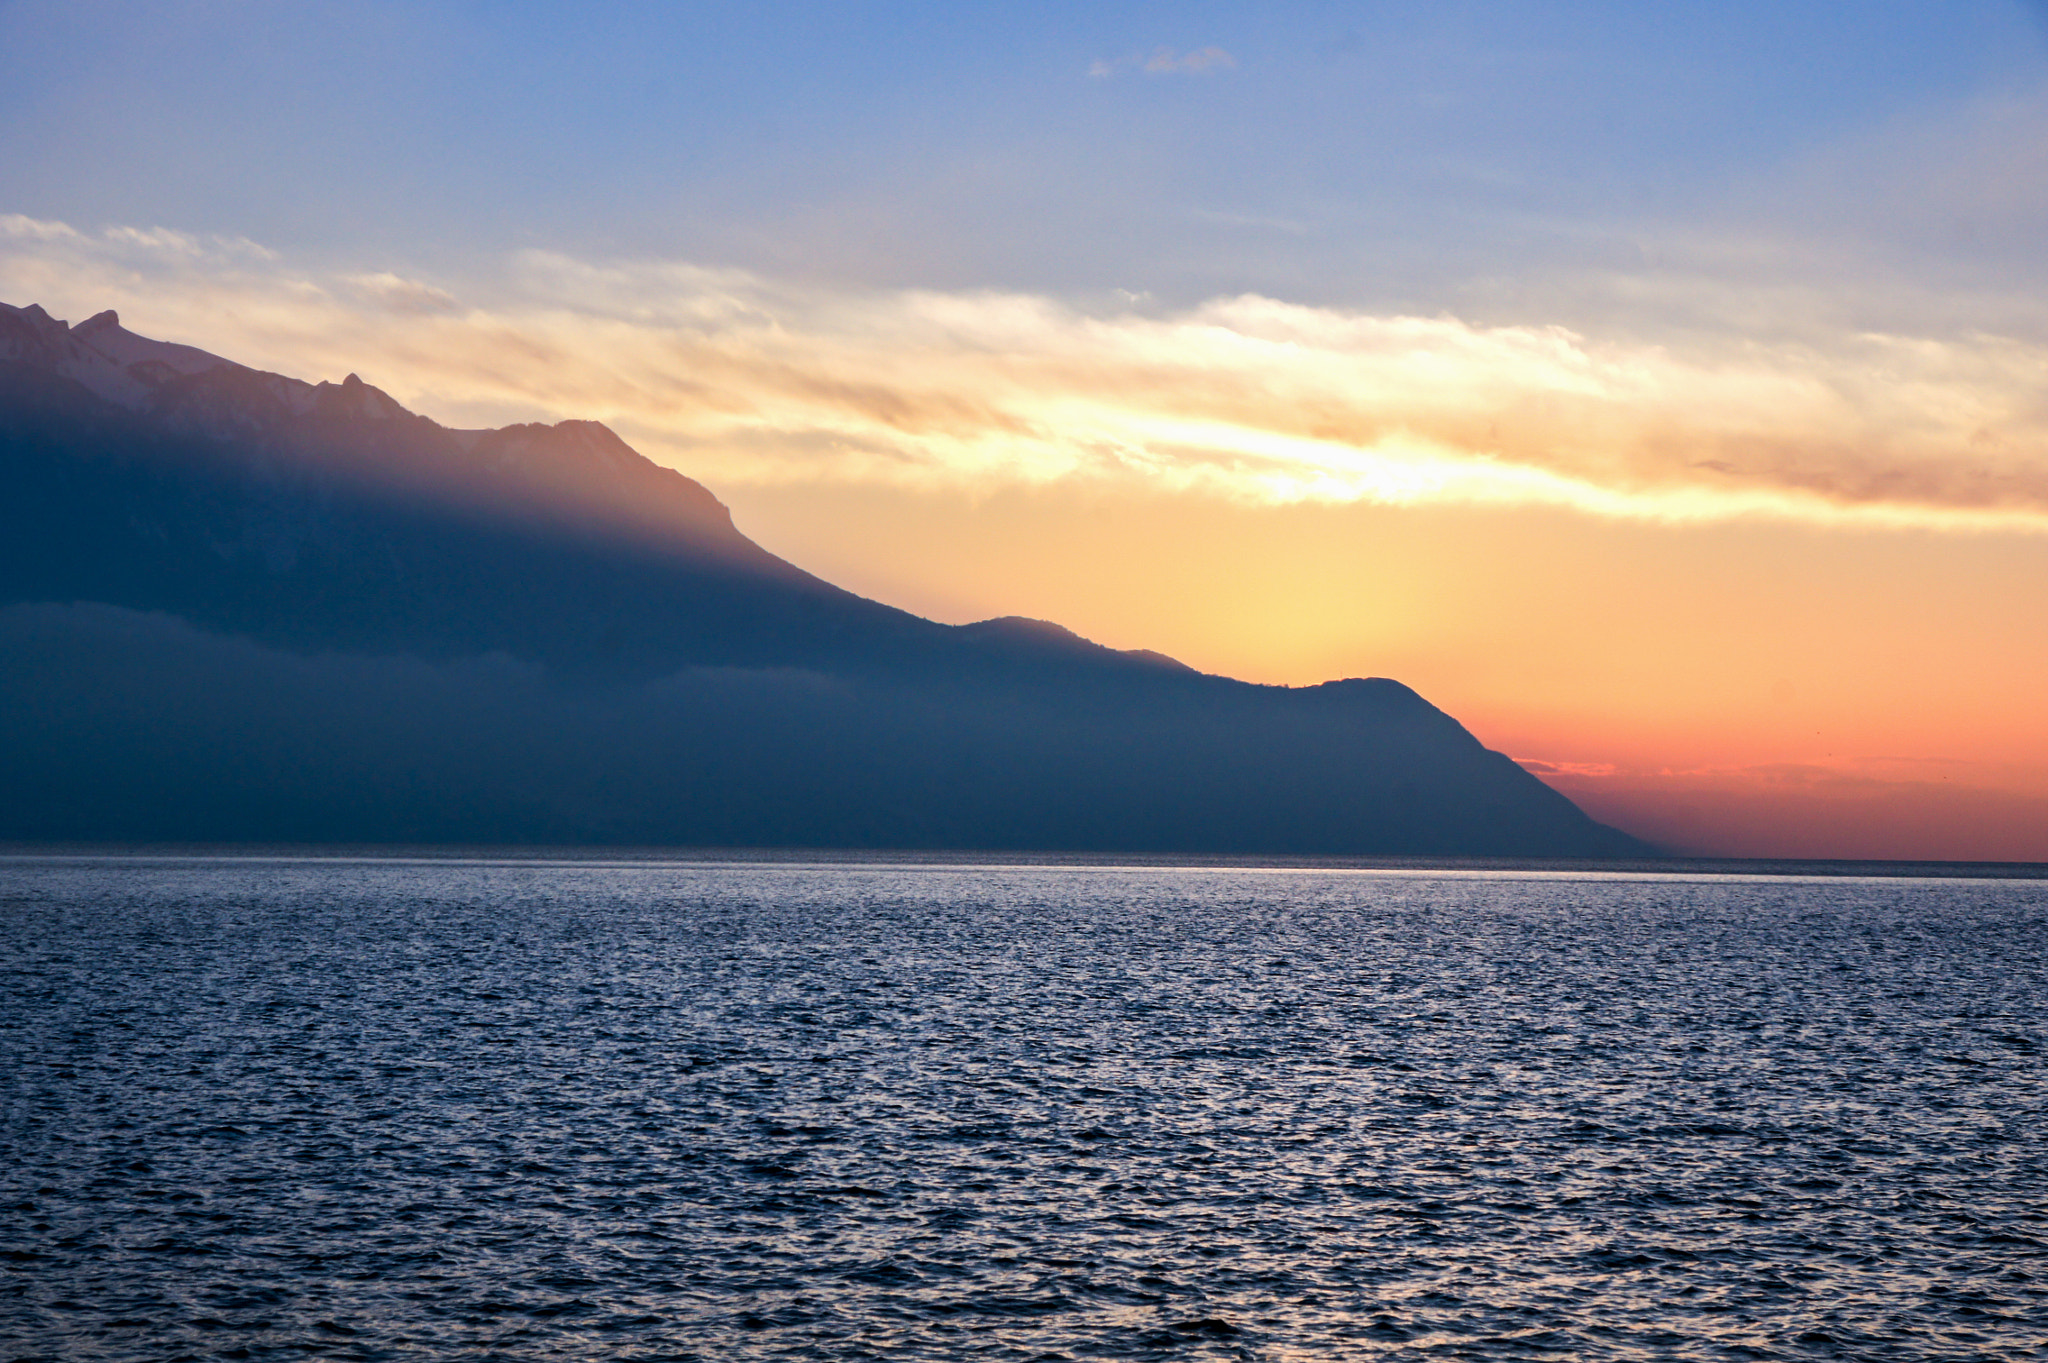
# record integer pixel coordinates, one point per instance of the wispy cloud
(32, 229)
(1540, 767)
(388, 290)
(1167, 61)
(737, 378)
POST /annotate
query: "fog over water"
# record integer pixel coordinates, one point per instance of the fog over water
(381, 1109)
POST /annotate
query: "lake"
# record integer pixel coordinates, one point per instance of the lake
(651, 1109)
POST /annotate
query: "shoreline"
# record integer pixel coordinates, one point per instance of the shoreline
(24, 853)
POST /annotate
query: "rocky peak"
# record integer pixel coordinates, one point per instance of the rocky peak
(352, 398)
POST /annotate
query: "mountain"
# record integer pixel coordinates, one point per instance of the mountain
(240, 606)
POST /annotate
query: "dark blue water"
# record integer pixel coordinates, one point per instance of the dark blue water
(370, 1110)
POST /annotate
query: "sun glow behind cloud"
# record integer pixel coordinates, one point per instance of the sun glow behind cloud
(1598, 546)
(741, 379)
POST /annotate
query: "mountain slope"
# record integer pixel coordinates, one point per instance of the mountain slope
(244, 606)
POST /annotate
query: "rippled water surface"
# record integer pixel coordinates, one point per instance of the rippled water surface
(378, 1110)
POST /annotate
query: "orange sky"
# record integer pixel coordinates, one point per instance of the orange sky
(1744, 689)
(1740, 593)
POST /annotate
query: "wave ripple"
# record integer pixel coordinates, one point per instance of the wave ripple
(378, 1110)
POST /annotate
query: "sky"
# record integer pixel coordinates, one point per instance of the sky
(1660, 390)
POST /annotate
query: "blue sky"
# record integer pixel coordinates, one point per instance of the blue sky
(1369, 154)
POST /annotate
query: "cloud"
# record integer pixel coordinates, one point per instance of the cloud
(1167, 61)
(400, 295)
(1883, 808)
(741, 379)
(1539, 767)
(32, 229)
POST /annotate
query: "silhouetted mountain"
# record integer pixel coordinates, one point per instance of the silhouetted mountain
(239, 606)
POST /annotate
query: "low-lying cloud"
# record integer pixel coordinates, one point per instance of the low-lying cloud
(1885, 809)
(740, 379)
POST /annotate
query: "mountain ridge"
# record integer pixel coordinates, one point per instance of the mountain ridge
(326, 520)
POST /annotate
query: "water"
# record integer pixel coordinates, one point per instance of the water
(364, 1110)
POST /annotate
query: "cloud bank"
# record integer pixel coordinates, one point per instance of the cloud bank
(741, 379)
(1876, 810)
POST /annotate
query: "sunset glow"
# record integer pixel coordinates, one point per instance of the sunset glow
(1244, 399)
(1690, 447)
